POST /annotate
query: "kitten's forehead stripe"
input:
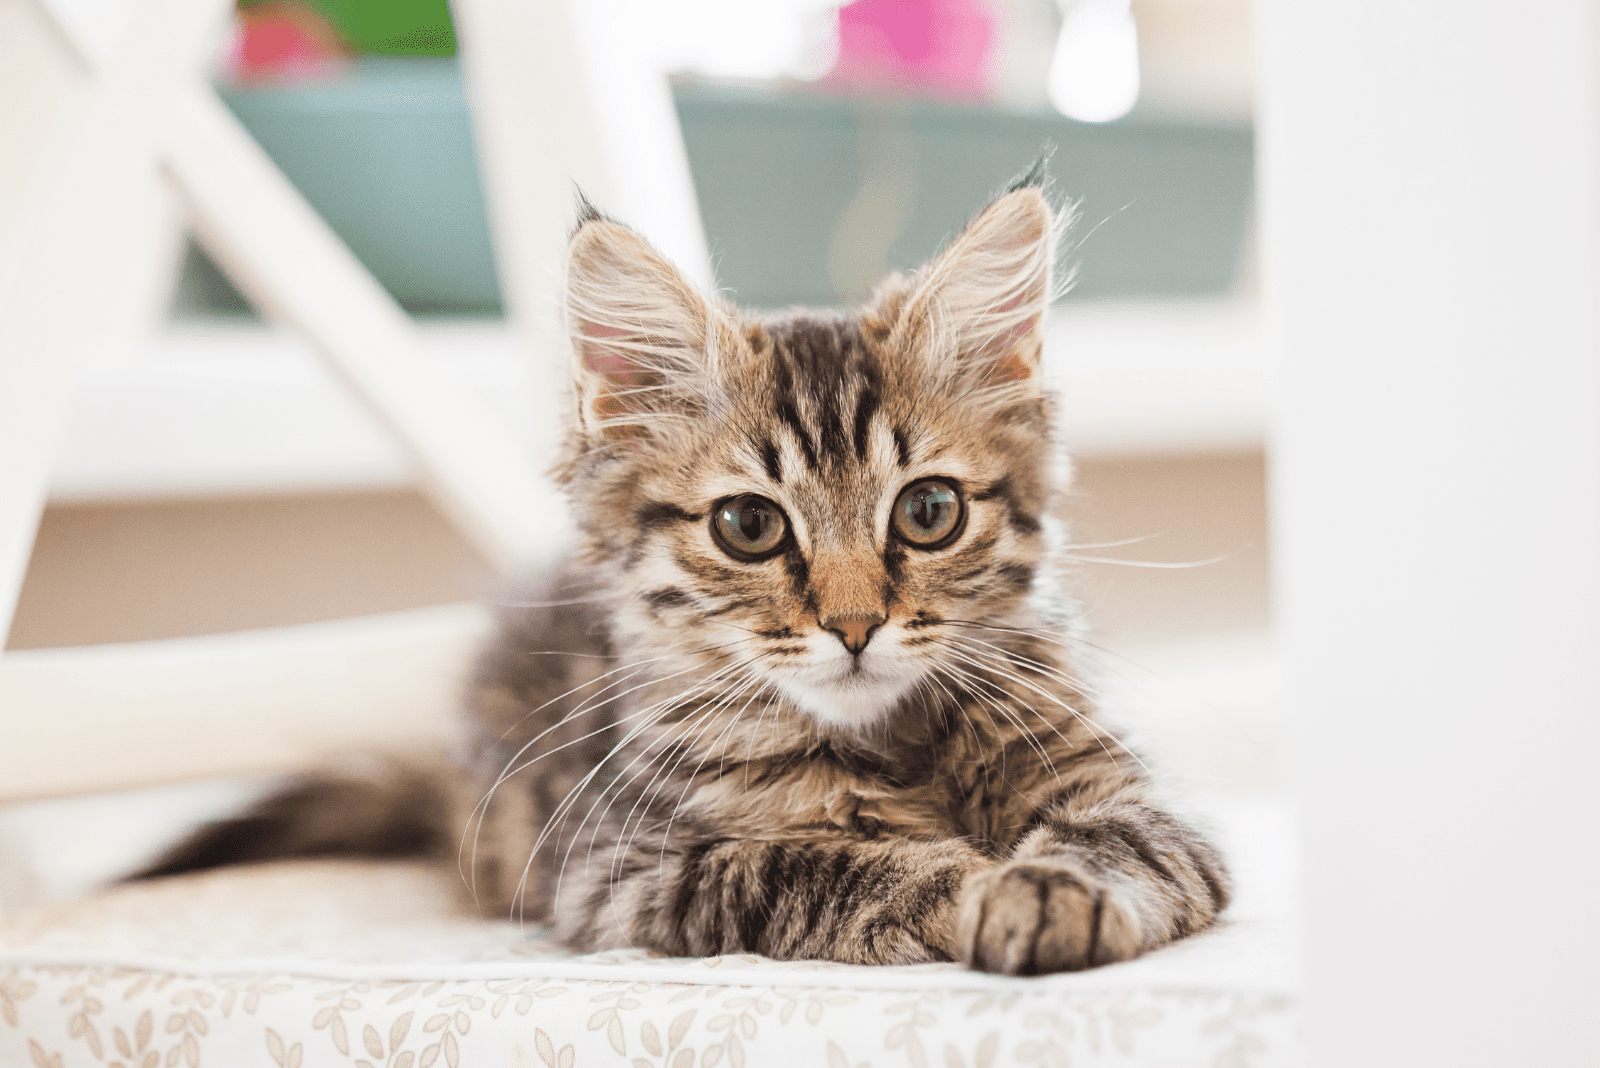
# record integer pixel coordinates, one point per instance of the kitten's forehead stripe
(791, 418)
(770, 461)
(866, 405)
(902, 447)
(820, 368)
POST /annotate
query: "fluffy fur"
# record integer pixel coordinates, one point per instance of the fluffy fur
(854, 747)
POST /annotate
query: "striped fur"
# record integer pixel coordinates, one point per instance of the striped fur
(853, 748)
(720, 772)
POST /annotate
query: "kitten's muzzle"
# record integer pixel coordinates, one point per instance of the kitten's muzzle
(855, 630)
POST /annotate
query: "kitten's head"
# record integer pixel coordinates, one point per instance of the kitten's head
(815, 502)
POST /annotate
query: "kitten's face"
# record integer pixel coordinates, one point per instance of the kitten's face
(819, 504)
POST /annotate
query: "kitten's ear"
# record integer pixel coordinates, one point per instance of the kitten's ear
(645, 343)
(979, 309)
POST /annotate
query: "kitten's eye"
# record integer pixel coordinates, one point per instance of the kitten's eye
(749, 528)
(928, 514)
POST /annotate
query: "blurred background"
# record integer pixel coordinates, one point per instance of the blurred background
(223, 481)
(1428, 255)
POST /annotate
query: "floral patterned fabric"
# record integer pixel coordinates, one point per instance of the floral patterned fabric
(297, 965)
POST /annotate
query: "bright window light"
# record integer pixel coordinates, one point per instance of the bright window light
(740, 38)
(1094, 76)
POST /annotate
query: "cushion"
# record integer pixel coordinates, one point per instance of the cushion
(340, 962)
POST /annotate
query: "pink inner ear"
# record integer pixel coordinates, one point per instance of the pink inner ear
(1004, 352)
(1013, 366)
(601, 358)
(621, 375)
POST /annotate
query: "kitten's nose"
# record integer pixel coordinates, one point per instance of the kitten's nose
(855, 630)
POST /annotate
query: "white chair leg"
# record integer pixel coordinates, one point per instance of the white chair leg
(81, 259)
(287, 262)
(116, 717)
(48, 303)
(614, 133)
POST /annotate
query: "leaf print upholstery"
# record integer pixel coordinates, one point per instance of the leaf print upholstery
(349, 964)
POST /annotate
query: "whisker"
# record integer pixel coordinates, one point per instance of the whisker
(647, 712)
(651, 715)
(1077, 644)
(1171, 565)
(683, 744)
(632, 666)
(733, 721)
(661, 711)
(974, 658)
(962, 705)
(749, 752)
(1076, 545)
(1098, 732)
(656, 714)
(703, 722)
(564, 652)
(705, 716)
(956, 703)
(480, 810)
(1072, 642)
(499, 602)
(1008, 713)
(1075, 684)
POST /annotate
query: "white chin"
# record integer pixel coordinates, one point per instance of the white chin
(847, 701)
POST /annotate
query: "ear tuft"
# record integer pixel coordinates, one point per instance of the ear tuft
(586, 212)
(644, 342)
(1038, 175)
(980, 308)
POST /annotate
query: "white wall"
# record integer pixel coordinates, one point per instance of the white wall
(1431, 263)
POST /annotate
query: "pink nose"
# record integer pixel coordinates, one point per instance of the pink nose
(854, 630)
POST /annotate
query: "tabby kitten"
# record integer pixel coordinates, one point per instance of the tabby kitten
(803, 689)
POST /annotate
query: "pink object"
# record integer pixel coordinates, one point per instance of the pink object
(284, 42)
(934, 47)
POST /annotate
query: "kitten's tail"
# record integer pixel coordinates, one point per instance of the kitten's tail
(390, 809)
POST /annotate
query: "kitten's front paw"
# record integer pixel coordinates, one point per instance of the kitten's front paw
(1030, 917)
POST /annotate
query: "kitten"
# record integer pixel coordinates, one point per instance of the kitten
(804, 689)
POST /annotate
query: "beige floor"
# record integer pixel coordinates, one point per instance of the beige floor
(163, 569)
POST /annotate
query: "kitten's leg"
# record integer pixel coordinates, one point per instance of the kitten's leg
(1091, 883)
(859, 901)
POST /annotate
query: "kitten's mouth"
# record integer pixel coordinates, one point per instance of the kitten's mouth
(854, 695)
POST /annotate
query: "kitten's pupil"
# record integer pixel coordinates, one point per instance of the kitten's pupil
(930, 510)
(753, 522)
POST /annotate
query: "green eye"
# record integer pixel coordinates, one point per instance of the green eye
(749, 528)
(928, 514)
